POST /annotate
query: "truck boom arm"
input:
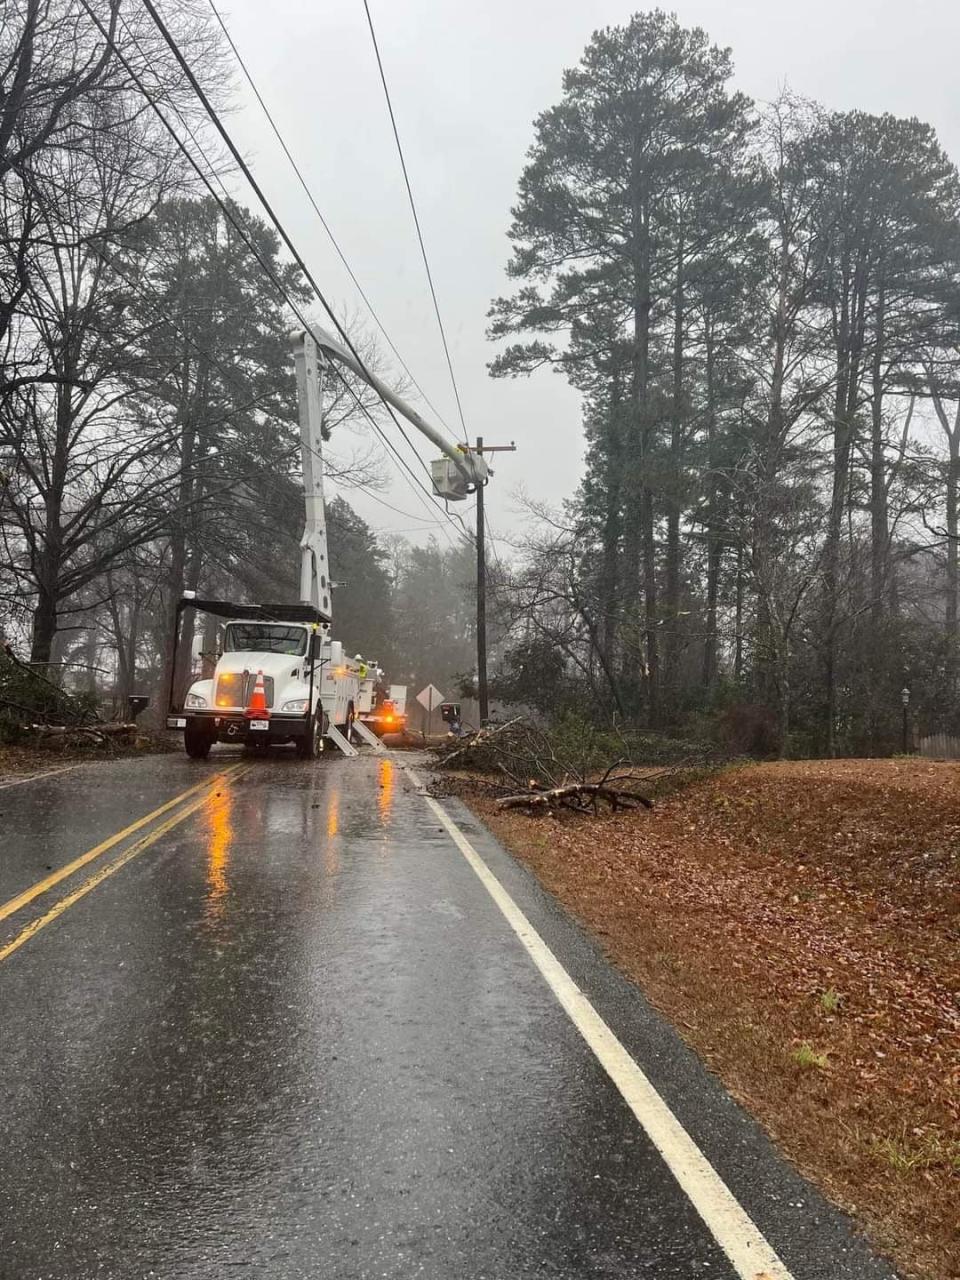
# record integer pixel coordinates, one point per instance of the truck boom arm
(314, 562)
(471, 466)
(312, 350)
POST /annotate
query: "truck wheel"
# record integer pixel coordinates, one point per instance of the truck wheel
(197, 744)
(311, 744)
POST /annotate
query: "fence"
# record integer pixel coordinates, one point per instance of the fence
(939, 746)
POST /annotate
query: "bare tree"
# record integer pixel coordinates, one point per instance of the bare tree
(51, 59)
(82, 490)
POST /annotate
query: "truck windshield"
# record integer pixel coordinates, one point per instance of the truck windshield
(264, 638)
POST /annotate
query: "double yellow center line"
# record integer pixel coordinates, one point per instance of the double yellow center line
(191, 800)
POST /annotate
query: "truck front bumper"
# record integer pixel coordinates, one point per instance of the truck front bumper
(234, 727)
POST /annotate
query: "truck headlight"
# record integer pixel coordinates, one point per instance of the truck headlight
(298, 705)
(195, 700)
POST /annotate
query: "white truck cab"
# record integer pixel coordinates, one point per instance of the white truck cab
(277, 679)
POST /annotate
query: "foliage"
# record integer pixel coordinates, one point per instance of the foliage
(363, 594)
(533, 674)
(806, 1056)
(831, 1000)
(27, 697)
(760, 309)
(148, 439)
(580, 739)
(759, 306)
(433, 614)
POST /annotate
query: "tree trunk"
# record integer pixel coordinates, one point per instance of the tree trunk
(651, 616)
(640, 494)
(172, 671)
(127, 658)
(738, 617)
(714, 569)
(44, 626)
(91, 649)
(673, 566)
(175, 672)
(612, 528)
(953, 556)
(879, 537)
(783, 703)
(714, 534)
(50, 566)
(849, 348)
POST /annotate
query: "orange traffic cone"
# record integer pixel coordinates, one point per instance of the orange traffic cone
(257, 706)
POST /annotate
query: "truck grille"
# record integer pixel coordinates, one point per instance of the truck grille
(235, 687)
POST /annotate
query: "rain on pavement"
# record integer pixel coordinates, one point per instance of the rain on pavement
(293, 1036)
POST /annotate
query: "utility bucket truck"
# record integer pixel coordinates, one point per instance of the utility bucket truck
(387, 710)
(279, 675)
(278, 679)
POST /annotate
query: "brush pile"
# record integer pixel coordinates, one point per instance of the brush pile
(521, 763)
(34, 709)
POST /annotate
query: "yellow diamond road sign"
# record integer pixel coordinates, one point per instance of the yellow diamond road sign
(430, 697)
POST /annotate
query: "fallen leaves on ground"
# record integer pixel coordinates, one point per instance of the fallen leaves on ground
(30, 760)
(800, 922)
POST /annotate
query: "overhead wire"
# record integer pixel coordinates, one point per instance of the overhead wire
(493, 543)
(292, 450)
(416, 217)
(268, 209)
(242, 228)
(408, 515)
(316, 208)
(236, 217)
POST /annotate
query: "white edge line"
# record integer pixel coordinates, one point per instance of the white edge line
(738, 1236)
(37, 777)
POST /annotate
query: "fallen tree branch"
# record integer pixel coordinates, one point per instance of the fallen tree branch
(580, 796)
(52, 703)
(103, 730)
(459, 750)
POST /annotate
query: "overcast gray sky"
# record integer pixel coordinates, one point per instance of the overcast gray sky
(467, 78)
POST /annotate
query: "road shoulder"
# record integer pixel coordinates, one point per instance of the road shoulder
(811, 1236)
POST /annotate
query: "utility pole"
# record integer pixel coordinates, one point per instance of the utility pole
(482, 696)
(481, 604)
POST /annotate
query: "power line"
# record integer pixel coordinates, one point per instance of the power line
(246, 234)
(244, 230)
(416, 218)
(284, 453)
(271, 214)
(493, 544)
(414, 479)
(216, 363)
(365, 489)
(323, 222)
(248, 174)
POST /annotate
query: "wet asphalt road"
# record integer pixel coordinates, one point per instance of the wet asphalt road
(295, 1037)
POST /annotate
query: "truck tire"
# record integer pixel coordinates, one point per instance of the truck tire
(311, 744)
(197, 744)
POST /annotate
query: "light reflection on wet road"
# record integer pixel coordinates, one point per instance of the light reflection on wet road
(295, 1038)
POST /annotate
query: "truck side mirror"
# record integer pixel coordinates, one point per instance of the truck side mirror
(315, 647)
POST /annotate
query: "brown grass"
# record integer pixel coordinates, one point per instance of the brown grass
(800, 923)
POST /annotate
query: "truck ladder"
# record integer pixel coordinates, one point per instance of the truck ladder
(368, 736)
(338, 740)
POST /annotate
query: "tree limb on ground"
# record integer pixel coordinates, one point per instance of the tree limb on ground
(579, 796)
(538, 779)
